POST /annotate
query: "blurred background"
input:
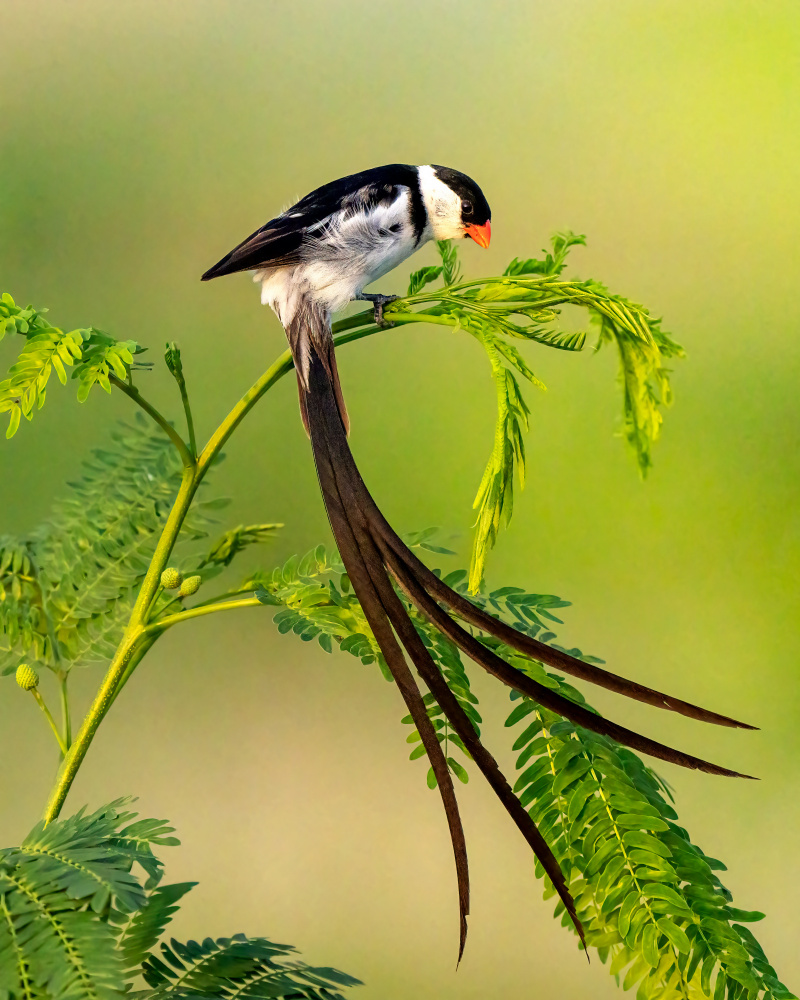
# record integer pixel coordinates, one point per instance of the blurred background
(140, 142)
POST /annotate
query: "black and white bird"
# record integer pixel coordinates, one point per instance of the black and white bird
(343, 236)
(311, 260)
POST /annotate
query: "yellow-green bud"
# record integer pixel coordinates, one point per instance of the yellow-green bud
(190, 586)
(27, 678)
(171, 578)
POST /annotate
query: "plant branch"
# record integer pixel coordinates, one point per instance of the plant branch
(106, 692)
(172, 357)
(47, 714)
(127, 655)
(143, 646)
(156, 627)
(151, 411)
(66, 720)
(187, 409)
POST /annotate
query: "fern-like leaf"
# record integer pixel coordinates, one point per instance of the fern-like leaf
(57, 891)
(96, 547)
(239, 967)
(24, 627)
(142, 931)
(451, 266)
(236, 540)
(525, 304)
(92, 355)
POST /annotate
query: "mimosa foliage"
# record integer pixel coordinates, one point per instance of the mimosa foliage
(82, 911)
(525, 304)
(92, 355)
(80, 572)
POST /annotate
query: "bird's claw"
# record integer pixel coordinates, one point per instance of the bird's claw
(378, 303)
(377, 309)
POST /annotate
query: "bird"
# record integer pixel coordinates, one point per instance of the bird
(311, 260)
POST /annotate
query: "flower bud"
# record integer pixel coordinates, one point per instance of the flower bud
(171, 578)
(27, 678)
(190, 586)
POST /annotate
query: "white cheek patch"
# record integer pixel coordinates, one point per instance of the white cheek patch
(442, 204)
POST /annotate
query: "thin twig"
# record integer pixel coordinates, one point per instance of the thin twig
(202, 609)
(151, 411)
(50, 719)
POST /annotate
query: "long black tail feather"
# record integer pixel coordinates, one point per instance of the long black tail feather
(367, 575)
(516, 679)
(371, 549)
(539, 650)
(408, 570)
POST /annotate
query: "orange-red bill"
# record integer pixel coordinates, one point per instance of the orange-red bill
(481, 234)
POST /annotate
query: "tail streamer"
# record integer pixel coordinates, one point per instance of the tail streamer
(379, 564)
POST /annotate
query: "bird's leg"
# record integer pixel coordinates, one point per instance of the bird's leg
(378, 302)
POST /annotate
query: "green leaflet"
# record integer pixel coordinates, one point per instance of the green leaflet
(91, 555)
(451, 266)
(316, 602)
(495, 498)
(419, 279)
(525, 304)
(238, 967)
(646, 894)
(643, 347)
(57, 891)
(77, 922)
(92, 354)
(236, 540)
(139, 933)
(24, 633)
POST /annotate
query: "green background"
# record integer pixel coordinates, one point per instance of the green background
(140, 141)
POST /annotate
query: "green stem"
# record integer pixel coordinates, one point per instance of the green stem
(203, 609)
(187, 409)
(66, 721)
(50, 719)
(150, 410)
(130, 650)
(133, 632)
(142, 647)
(219, 598)
(349, 322)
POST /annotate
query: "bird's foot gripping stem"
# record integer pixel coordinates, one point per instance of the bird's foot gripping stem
(378, 302)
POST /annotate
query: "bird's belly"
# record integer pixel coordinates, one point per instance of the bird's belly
(336, 278)
(332, 276)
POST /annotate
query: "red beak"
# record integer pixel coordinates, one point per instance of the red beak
(481, 234)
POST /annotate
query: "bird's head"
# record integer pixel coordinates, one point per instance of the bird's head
(455, 204)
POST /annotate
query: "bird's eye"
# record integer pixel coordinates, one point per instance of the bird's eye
(467, 208)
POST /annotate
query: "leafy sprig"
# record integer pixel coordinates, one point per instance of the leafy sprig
(525, 303)
(82, 911)
(84, 566)
(92, 355)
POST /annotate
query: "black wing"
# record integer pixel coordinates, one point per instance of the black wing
(278, 242)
